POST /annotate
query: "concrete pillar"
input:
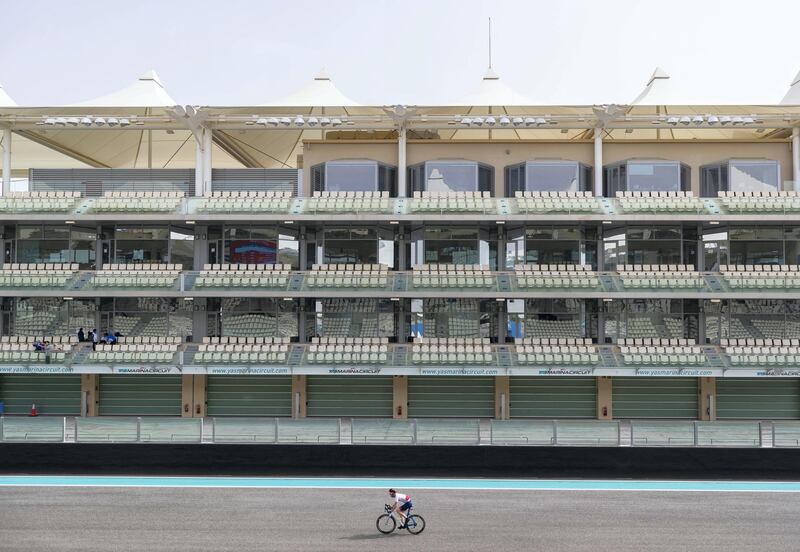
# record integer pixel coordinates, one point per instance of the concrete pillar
(796, 158)
(401, 163)
(502, 397)
(707, 399)
(199, 174)
(207, 163)
(6, 187)
(598, 162)
(605, 398)
(400, 397)
(187, 395)
(200, 384)
(200, 247)
(298, 396)
(199, 320)
(90, 394)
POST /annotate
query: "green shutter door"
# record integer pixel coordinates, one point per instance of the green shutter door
(757, 398)
(249, 395)
(54, 395)
(654, 397)
(552, 397)
(140, 395)
(447, 397)
(349, 396)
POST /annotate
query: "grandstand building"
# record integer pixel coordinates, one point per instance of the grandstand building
(492, 258)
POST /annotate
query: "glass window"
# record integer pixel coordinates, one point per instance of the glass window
(650, 177)
(142, 233)
(355, 318)
(457, 318)
(182, 247)
(754, 176)
(251, 245)
(451, 176)
(351, 176)
(552, 177)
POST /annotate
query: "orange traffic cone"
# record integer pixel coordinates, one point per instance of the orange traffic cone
(33, 410)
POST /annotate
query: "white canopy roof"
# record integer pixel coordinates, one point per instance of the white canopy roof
(145, 92)
(492, 92)
(320, 92)
(5, 99)
(792, 97)
(658, 90)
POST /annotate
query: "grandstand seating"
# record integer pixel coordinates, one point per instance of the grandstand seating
(557, 202)
(137, 350)
(761, 276)
(661, 352)
(39, 202)
(452, 275)
(639, 202)
(481, 202)
(348, 350)
(243, 350)
(32, 275)
(245, 202)
(18, 348)
(762, 352)
(137, 201)
(348, 202)
(660, 276)
(137, 275)
(348, 276)
(556, 351)
(452, 350)
(761, 201)
(556, 276)
(243, 275)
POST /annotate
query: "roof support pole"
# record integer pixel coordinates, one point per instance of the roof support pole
(207, 141)
(6, 187)
(401, 162)
(198, 168)
(796, 157)
(598, 162)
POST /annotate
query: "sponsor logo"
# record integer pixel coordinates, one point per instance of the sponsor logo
(354, 370)
(565, 372)
(251, 371)
(144, 370)
(459, 371)
(768, 373)
(35, 370)
(674, 372)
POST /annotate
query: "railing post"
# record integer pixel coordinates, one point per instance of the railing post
(632, 439)
(696, 430)
(2, 421)
(213, 430)
(277, 428)
(414, 437)
(64, 430)
(138, 429)
(760, 437)
(202, 429)
(555, 432)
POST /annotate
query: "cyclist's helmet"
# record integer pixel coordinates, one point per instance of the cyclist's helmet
(392, 492)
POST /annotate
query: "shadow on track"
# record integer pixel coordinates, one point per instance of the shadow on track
(371, 536)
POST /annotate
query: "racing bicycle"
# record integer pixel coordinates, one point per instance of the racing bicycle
(387, 522)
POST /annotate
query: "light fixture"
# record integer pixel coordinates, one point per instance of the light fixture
(697, 119)
(491, 121)
(607, 222)
(69, 222)
(61, 121)
(298, 121)
(477, 121)
(324, 121)
(286, 121)
(500, 222)
(466, 121)
(73, 121)
(288, 222)
(336, 122)
(394, 222)
(541, 121)
(715, 300)
(394, 299)
(748, 120)
(68, 298)
(190, 222)
(313, 121)
(100, 121)
(505, 121)
(713, 119)
(112, 121)
(685, 120)
(713, 222)
(188, 298)
(607, 300)
(737, 120)
(672, 121)
(724, 120)
(124, 122)
(530, 121)
(50, 121)
(272, 121)
(261, 121)
(517, 121)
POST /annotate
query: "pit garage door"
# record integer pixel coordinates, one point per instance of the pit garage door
(754, 398)
(140, 395)
(446, 397)
(56, 395)
(249, 395)
(349, 396)
(552, 397)
(654, 397)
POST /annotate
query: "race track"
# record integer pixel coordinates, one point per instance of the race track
(87, 519)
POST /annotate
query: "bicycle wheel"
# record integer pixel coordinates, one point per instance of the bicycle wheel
(415, 524)
(385, 524)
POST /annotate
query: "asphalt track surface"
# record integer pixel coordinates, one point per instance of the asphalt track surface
(88, 519)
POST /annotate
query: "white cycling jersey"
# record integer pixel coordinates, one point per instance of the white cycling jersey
(401, 498)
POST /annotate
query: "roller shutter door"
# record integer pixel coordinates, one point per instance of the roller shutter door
(447, 397)
(249, 395)
(56, 395)
(552, 397)
(756, 398)
(349, 396)
(654, 397)
(140, 395)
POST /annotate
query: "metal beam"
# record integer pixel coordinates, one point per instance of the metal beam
(41, 140)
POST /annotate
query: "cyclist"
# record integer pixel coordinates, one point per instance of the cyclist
(402, 503)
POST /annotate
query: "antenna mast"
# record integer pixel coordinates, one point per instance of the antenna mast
(490, 43)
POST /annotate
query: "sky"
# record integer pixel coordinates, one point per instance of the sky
(383, 52)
